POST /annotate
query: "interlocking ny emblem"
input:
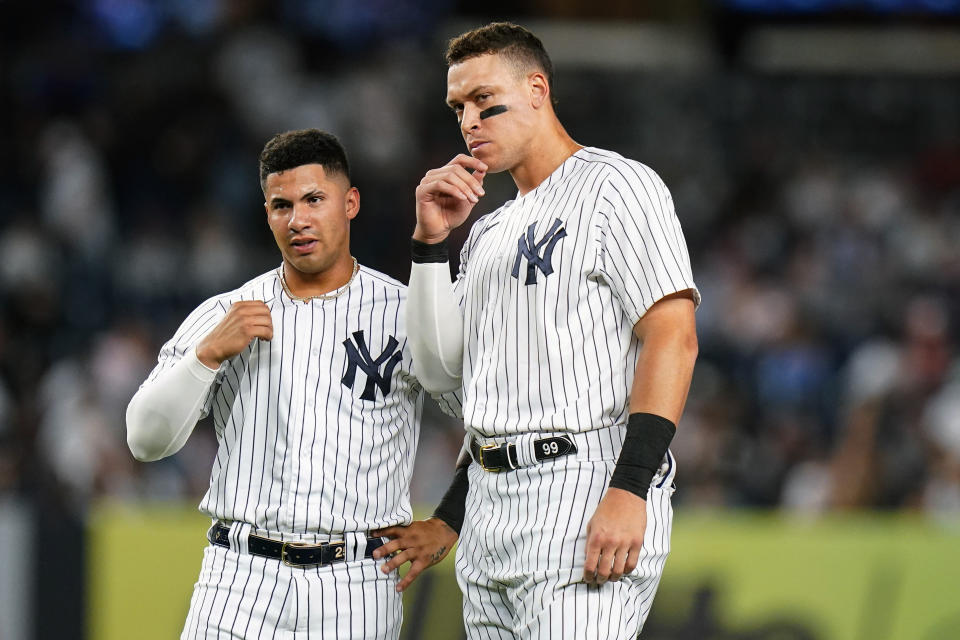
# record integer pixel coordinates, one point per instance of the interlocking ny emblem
(530, 249)
(359, 356)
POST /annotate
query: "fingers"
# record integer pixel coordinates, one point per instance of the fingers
(257, 311)
(474, 180)
(415, 569)
(593, 560)
(244, 321)
(389, 548)
(451, 169)
(605, 564)
(619, 562)
(262, 331)
(609, 563)
(464, 160)
(609, 558)
(254, 319)
(450, 186)
(469, 185)
(453, 181)
(397, 561)
(250, 309)
(422, 543)
(602, 568)
(389, 532)
(250, 304)
(632, 558)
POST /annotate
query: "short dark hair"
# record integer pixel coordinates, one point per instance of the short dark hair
(507, 39)
(305, 146)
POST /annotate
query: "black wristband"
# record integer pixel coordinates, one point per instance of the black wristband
(452, 507)
(647, 440)
(424, 252)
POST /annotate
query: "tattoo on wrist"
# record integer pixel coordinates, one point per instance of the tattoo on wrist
(438, 554)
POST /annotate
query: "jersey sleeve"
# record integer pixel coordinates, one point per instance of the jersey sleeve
(459, 291)
(643, 253)
(451, 403)
(193, 329)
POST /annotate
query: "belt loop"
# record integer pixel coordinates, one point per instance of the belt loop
(231, 535)
(525, 453)
(239, 536)
(356, 545)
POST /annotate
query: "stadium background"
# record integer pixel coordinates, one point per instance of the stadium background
(813, 151)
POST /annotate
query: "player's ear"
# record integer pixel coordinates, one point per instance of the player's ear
(352, 201)
(539, 89)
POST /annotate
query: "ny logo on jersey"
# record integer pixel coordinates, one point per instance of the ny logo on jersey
(530, 249)
(359, 356)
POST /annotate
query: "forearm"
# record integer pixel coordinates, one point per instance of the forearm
(659, 392)
(162, 414)
(663, 374)
(434, 324)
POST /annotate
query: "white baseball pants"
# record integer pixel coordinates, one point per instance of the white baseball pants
(523, 545)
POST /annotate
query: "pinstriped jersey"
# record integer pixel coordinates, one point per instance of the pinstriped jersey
(317, 428)
(551, 285)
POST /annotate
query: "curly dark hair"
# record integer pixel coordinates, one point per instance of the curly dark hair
(305, 146)
(523, 49)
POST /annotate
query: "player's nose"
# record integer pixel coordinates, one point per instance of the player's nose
(298, 217)
(471, 119)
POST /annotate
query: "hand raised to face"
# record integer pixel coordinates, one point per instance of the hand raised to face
(446, 196)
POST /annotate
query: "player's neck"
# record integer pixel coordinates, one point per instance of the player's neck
(543, 157)
(308, 285)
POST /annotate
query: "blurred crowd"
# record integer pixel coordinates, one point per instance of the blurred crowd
(822, 216)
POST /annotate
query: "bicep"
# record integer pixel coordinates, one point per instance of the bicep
(672, 315)
(667, 332)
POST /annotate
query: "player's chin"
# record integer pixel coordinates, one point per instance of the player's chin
(494, 162)
(306, 264)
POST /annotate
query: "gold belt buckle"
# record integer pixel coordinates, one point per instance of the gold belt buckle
(482, 464)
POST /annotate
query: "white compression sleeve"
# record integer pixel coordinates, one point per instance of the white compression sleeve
(435, 327)
(163, 412)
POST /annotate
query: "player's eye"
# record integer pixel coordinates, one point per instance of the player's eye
(482, 97)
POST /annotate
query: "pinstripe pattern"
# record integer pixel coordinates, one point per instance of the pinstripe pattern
(302, 456)
(520, 560)
(560, 355)
(239, 596)
(551, 286)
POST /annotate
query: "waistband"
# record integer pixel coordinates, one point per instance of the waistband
(596, 445)
(591, 446)
(238, 536)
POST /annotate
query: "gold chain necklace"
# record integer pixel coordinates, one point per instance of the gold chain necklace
(323, 296)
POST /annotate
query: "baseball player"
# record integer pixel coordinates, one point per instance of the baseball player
(307, 372)
(574, 354)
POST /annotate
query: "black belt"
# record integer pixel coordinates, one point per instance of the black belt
(293, 554)
(503, 457)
